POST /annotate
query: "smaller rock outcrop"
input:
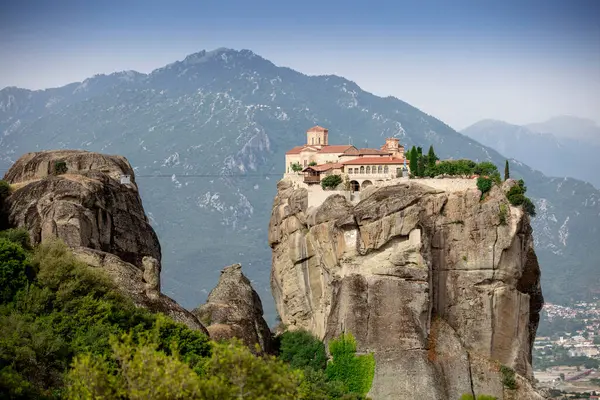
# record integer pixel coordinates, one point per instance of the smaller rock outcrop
(77, 196)
(134, 283)
(234, 309)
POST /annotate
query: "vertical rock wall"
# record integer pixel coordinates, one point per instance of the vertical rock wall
(432, 282)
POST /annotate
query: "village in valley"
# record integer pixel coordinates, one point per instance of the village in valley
(566, 351)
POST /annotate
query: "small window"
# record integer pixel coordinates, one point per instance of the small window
(362, 170)
(305, 163)
(356, 170)
(349, 170)
(386, 170)
(319, 140)
(368, 170)
(379, 169)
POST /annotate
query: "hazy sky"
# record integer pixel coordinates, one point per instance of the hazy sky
(461, 61)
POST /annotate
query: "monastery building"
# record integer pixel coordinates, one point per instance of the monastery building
(363, 167)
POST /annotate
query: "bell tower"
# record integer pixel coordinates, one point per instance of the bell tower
(317, 136)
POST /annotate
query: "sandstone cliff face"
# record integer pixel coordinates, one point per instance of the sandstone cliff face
(432, 282)
(86, 207)
(234, 309)
(92, 212)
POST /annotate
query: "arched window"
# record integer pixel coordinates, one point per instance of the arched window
(362, 170)
(379, 169)
(368, 170)
(386, 170)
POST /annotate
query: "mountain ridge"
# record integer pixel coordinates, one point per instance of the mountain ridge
(219, 130)
(517, 141)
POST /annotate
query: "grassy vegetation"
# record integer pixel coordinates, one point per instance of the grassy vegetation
(508, 377)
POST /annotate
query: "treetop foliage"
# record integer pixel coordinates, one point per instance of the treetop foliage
(67, 332)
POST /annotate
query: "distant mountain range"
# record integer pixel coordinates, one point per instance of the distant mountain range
(207, 137)
(561, 146)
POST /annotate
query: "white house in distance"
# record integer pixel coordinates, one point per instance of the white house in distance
(364, 167)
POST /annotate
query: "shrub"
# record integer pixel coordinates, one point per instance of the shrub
(502, 213)
(18, 235)
(516, 197)
(4, 190)
(60, 167)
(15, 271)
(331, 181)
(508, 377)
(296, 167)
(356, 372)
(484, 185)
(301, 349)
(468, 396)
(312, 163)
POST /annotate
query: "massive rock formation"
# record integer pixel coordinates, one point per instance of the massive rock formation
(443, 288)
(233, 309)
(78, 196)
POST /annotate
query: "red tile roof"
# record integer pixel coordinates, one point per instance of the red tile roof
(323, 167)
(335, 148)
(298, 149)
(352, 151)
(375, 161)
(317, 128)
(372, 152)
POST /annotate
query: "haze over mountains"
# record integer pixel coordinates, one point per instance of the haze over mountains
(207, 137)
(562, 146)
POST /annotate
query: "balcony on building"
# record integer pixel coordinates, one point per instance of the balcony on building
(314, 173)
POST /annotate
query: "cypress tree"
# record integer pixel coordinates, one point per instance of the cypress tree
(431, 157)
(506, 171)
(419, 162)
(413, 161)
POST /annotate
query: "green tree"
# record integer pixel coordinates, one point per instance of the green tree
(18, 235)
(331, 181)
(296, 167)
(15, 271)
(414, 160)
(312, 163)
(244, 376)
(506, 171)
(4, 190)
(516, 197)
(484, 185)
(144, 373)
(356, 372)
(301, 349)
(431, 157)
(487, 169)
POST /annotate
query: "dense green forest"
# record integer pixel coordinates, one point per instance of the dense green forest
(67, 332)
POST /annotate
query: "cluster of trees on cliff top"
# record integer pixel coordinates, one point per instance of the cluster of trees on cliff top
(429, 165)
(67, 332)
